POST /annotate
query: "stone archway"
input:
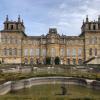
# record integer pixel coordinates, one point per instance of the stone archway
(26, 61)
(31, 61)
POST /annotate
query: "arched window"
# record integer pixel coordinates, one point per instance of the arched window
(68, 61)
(74, 61)
(11, 27)
(26, 61)
(94, 27)
(95, 51)
(89, 27)
(31, 60)
(79, 61)
(90, 51)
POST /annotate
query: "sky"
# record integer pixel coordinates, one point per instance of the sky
(40, 15)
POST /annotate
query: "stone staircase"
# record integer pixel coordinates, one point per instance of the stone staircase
(93, 60)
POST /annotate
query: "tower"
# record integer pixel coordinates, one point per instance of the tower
(90, 31)
(14, 25)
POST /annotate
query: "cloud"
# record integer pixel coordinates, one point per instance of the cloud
(39, 15)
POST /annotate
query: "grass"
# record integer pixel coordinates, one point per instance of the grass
(67, 73)
(53, 92)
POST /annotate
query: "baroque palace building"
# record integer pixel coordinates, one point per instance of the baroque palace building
(17, 47)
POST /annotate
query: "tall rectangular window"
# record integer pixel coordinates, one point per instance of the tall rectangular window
(53, 52)
(44, 52)
(4, 51)
(79, 52)
(26, 52)
(74, 52)
(37, 52)
(62, 52)
(95, 51)
(31, 52)
(68, 52)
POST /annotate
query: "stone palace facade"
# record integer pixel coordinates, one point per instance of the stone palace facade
(17, 47)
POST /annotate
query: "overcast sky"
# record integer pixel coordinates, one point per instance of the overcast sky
(40, 15)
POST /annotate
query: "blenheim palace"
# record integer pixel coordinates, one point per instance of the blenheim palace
(17, 47)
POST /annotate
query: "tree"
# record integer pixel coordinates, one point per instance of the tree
(48, 60)
(57, 60)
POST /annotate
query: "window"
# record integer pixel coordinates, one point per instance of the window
(10, 51)
(26, 61)
(31, 52)
(62, 52)
(26, 52)
(5, 51)
(15, 51)
(15, 41)
(37, 52)
(44, 52)
(11, 27)
(8, 39)
(74, 52)
(52, 40)
(5, 39)
(94, 40)
(94, 27)
(79, 61)
(11, 40)
(90, 51)
(68, 61)
(79, 52)
(53, 52)
(90, 41)
(68, 52)
(31, 61)
(74, 61)
(95, 51)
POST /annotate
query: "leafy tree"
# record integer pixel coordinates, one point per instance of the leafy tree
(48, 60)
(57, 60)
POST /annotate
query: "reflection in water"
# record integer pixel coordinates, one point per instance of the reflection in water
(49, 92)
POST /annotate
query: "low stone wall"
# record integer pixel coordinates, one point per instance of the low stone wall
(5, 88)
(16, 85)
(95, 85)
